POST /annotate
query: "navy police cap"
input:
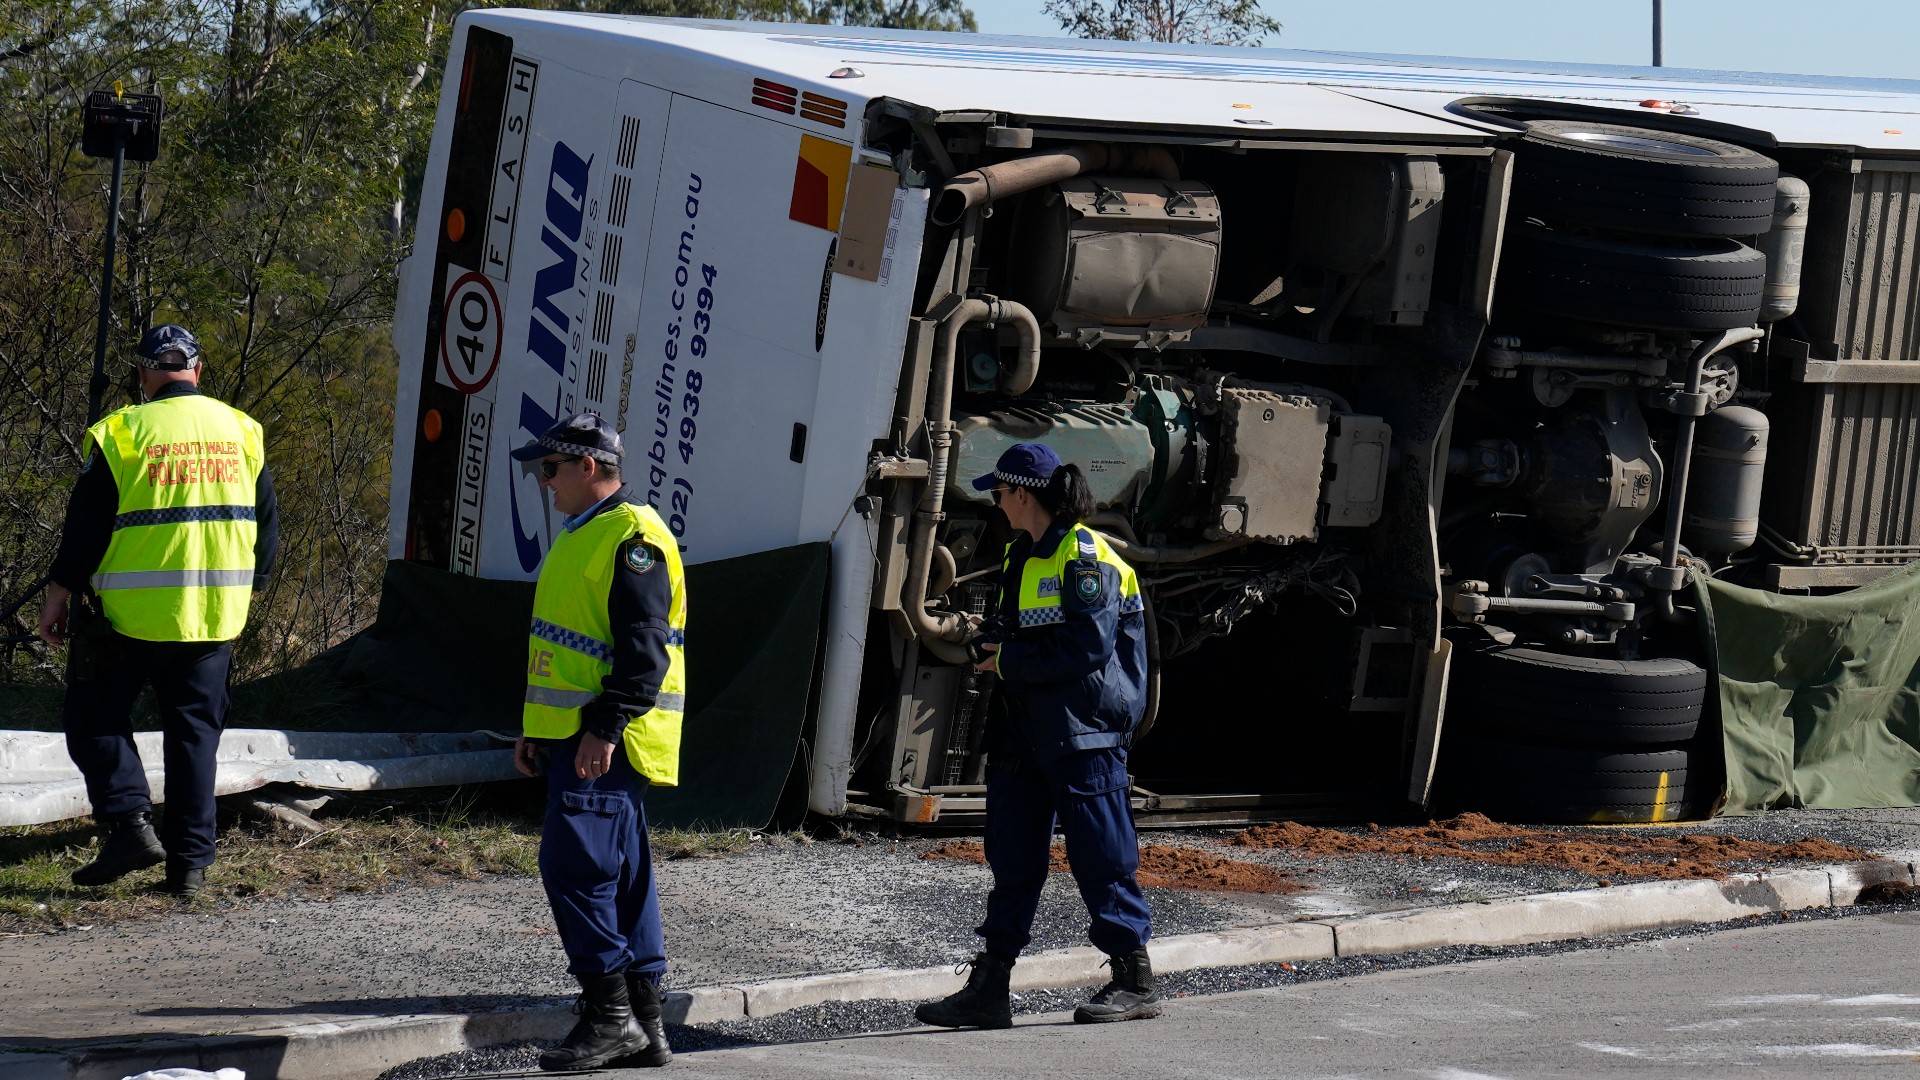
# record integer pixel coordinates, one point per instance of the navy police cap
(1028, 465)
(583, 434)
(168, 348)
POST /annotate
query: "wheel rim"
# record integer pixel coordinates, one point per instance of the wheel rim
(1614, 140)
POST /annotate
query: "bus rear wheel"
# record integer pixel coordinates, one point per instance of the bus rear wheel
(1642, 181)
(1573, 785)
(1667, 285)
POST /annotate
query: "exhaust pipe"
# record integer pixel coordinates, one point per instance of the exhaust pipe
(943, 635)
(989, 182)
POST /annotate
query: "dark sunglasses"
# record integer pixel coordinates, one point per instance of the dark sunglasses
(1000, 492)
(549, 468)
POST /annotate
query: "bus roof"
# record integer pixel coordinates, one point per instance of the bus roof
(1284, 89)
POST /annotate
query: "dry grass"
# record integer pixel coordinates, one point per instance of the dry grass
(367, 847)
(705, 844)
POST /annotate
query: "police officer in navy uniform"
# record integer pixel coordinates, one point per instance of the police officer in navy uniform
(1068, 642)
(606, 693)
(170, 530)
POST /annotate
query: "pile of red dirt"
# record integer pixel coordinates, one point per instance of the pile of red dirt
(1161, 866)
(1604, 854)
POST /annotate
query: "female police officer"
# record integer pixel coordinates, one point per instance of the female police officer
(1068, 642)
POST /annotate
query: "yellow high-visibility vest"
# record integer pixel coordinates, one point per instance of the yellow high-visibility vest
(180, 564)
(571, 642)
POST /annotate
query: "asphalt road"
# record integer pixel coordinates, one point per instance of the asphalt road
(1793, 1000)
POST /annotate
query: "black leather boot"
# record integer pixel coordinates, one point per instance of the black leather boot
(606, 1029)
(1130, 996)
(184, 882)
(645, 995)
(985, 1002)
(128, 844)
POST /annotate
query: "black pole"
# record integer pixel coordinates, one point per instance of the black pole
(1657, 58)
(97, 387)
(121, 126)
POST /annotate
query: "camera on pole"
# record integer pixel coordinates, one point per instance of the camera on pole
(116, 123)
(123, 127)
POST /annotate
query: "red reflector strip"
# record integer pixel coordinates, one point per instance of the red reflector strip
(466, 81)
(772, 95)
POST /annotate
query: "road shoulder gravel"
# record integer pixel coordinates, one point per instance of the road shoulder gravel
(362, 1049)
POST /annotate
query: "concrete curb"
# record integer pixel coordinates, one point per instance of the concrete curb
(362, 1049)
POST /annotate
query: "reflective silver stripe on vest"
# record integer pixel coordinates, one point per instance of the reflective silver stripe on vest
(172, 579)
(559, 699)
(577, 699)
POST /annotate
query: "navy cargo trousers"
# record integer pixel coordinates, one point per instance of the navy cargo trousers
(1087, 792)
(597, 867)
(189, 680)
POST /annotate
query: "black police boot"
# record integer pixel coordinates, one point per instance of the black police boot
(606, 1029)
(128, 845)
(645, 995)
(985, 1002)
(184, 882)
(1130, 996)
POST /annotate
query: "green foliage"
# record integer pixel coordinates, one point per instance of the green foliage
(265, 227)
(948, 15)
(295, 133)
(1197, 22)
(895, 14)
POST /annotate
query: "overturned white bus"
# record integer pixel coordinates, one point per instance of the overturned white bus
(1414, 389)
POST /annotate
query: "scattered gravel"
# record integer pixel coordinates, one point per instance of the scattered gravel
(776, 910)
(841, 1019)
(842, 907)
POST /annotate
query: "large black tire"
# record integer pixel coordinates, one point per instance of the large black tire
(1682, 285)
(1570, 785)
(1543, 697)
(1642, 181)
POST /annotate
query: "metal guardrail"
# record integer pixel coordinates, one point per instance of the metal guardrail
(41, 784)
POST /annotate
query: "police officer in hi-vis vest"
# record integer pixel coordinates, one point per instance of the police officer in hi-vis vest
(169, 531)
(606, 688)
(1068, 641)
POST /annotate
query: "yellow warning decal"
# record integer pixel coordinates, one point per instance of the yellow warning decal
(820, 182)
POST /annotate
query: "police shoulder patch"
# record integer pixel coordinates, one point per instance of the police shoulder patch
(638, 556)
(1087, 584)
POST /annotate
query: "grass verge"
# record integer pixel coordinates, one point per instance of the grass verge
(707, 844)
(367, 846)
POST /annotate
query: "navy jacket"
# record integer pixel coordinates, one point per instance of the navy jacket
(1078, 684)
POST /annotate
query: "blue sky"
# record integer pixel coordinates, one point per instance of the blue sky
(1836, 37)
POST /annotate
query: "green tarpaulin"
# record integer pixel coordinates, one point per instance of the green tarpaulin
(1819, 695)
(447, 652)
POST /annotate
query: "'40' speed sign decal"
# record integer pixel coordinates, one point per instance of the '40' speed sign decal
(471, 333)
